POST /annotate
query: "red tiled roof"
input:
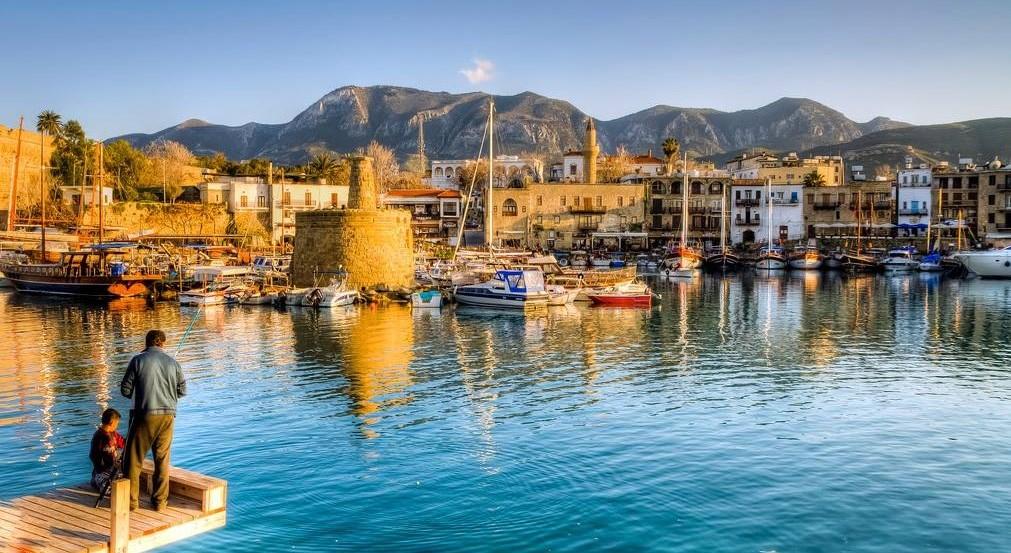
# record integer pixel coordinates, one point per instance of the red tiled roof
(646, 159)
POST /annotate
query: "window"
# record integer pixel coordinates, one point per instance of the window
(620, 201)
(261, 201)
(991, 218)
(334, 199)
(557, 219)
(539, 220)
(631, 201)
(572, 169)
(561, 201)
(599, 202)
(993, 180)
(308, 198)
(509, 207)
(287, 198)
(243, 201)
(991, 199)
(539, 201)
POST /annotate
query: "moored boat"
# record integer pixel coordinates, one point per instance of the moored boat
(805, 259)
(987, 264)
(217, 293)
(771, 259)
(426, 299)
(632, 294)
(97, 273)
(899, 260)
(510, 289)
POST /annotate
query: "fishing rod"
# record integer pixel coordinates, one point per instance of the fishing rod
(117, 465)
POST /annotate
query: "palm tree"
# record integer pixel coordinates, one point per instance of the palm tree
(814, 178)
(671, 149)
(49, 122)
(323, 163)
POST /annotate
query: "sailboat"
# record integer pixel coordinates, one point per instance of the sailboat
(685, 259)
(771, 257)
(724, 259)
(931, 262)
(857, 261)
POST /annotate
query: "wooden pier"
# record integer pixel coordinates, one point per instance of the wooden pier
(66, 520)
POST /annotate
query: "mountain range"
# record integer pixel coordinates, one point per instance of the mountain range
(350, 117)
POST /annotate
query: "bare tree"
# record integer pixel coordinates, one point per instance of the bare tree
(612, 168)
(384, 163)
(172, 165)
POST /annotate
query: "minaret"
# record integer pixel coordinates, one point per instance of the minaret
(590, 153)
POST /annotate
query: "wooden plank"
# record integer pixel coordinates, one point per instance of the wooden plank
(85, 498)
(97, 530)
(177, 533)
(166, 518)
(119, 516)
(27, 528)
(55, 503)
(71, 530)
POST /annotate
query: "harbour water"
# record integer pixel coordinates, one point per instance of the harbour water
(796, 413)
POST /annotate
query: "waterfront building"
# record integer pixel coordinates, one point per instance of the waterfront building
(274, 203)
(435, 213)
(981, 194)
(664, 199)
(566, 216)
(759, 209)
(509, 171)
(913, 199)
(834, 211)
(789, 169)
(571, 167)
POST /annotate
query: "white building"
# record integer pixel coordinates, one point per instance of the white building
(913, 199)
(571, 167)
(277, 201)
(751, 212)
(509, 171)
(435, 214)
(72, 195)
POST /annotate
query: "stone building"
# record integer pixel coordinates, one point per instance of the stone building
(509, 171)
(374, 246)
(834, 211)
(664, 202)
(566, 216)
(981, 194)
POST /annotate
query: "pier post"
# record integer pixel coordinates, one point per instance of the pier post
(119, 513)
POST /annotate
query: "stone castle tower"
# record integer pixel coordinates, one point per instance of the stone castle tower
(590, 153)
(375, 246)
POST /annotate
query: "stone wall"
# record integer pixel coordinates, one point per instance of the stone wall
(375, 247)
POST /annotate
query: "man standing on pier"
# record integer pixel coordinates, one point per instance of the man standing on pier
(155, 382)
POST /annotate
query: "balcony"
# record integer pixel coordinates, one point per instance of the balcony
(747, 222)
(911, 211)
(747, 202)
(827, 205)
(1004, 185)
(698, 209)
(1005, 207)
(587, 209)
(883, 204)
(587, 226)
(785, 201)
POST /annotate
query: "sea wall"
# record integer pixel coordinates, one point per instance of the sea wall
(375, 247)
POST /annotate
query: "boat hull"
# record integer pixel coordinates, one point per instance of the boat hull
(899, 266)
(805, 264)
(723, 262)
(426, 300)
(503, 300)
(995, 265)
(94, 287)
(770, 264)
(638, 300)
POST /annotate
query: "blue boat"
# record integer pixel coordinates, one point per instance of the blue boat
(510, 289)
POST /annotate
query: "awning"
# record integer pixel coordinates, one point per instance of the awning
(618, 234)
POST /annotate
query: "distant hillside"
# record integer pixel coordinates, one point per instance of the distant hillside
(980, 139)
(350, 117)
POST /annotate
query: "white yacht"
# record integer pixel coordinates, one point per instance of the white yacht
(512, 289)
(899, 260)
(334, 294)
(987, 264)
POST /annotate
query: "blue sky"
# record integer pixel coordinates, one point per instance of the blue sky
(141, 66)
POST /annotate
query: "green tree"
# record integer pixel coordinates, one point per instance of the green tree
(671, 149)
(74, 156)
(814, 178)
(128, 164)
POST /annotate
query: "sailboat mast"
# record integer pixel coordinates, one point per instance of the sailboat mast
(940, 201)
(723, 221)
(768, 208)
(490, 205)
(958, 243)
(42, 188)
(684, 203)
(101, 194)
(860, 208)
(13, 203)
(929, 221)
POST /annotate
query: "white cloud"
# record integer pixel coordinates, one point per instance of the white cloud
(483, 71)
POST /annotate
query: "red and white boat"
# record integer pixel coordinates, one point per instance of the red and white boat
(630, 294)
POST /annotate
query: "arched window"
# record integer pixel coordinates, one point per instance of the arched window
(658, 187)
(449, 172)
(509, 207)
(697, 187)
(716, 188)
(438, 171)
